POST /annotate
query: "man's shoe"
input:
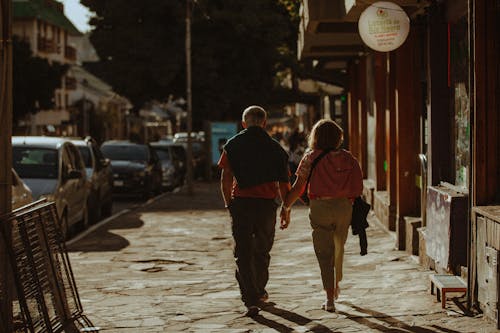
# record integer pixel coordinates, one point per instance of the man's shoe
(264, 298)
(252, 311)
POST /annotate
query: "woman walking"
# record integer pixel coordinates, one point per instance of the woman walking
(332, 178)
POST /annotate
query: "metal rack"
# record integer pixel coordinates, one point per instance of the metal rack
(47, 295)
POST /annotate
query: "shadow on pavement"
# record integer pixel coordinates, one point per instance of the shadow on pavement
(272, 324)
(290, 316)
(103, 239)
(396, 325)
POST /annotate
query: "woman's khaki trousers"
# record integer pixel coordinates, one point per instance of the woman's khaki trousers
(330, 220)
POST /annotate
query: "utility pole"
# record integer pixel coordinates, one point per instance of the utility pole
(6, 282)
(189, 177)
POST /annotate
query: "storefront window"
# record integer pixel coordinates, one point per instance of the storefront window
(459, 82)
(462, 132)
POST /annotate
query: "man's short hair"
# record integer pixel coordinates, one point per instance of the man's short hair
(254, 116)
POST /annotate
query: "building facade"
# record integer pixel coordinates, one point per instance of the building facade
(423, 122)
(44, 26)
(83, 104)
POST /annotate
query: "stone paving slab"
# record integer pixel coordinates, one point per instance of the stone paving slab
(168, 267)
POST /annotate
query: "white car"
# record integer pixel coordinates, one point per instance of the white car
(21, 194)
(53, 169)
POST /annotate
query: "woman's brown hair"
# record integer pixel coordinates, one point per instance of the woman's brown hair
(326, 134)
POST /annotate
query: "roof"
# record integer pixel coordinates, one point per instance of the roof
(39, 141)
(79, 142)
(121, 143)
(50, 11)
(160, 144)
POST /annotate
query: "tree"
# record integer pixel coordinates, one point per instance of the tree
(34, 81)
(141, 47)
(238, 47)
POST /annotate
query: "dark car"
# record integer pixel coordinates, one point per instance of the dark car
(136, 167)
(100, 175)
(200, 157)
(53, 169)
(173, 163)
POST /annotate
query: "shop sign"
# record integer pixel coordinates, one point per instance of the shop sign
(384, 26)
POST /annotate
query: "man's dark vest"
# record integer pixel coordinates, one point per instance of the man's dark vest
(256, 158)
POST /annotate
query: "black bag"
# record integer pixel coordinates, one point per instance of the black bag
(360, 210)
(304, 197)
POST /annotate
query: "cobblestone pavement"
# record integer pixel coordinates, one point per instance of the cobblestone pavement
(168, 267)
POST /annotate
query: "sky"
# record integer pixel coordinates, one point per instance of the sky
(77, 13)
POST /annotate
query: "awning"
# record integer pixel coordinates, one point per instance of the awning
(329, 29)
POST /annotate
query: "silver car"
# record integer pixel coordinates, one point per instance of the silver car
(21, 194)
(52, 167)
(100, 175)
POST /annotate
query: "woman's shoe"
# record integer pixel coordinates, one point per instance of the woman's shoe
(328, 306)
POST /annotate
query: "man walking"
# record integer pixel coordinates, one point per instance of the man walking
(254, 174)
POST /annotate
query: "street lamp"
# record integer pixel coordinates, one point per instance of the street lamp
(189, 177)
(5, 155)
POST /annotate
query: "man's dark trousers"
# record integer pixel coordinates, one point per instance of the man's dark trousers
(253, 227)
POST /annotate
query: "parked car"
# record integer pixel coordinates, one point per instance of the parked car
(136, 167)
(199, 151)
(173, 163)
(52, 167)
(21, 194)
(100, 175)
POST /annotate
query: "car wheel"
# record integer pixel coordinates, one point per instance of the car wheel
(95, 208)
(148, 188)
(84, 223)
(159, 188)
(107, 208)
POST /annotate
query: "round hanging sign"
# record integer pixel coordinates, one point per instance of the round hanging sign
(384, 26)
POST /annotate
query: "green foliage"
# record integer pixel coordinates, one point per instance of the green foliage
(140, 44)
(34, 81)
(238, 47)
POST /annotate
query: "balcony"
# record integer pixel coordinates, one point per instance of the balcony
(46, 45)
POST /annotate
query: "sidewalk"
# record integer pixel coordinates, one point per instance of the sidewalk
(168, 267)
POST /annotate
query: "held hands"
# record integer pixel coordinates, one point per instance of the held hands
(284, 217)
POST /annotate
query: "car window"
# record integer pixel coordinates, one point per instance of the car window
(33, 162)
(126, 152)
(65, 164)
(87, 158)
(76, 160)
